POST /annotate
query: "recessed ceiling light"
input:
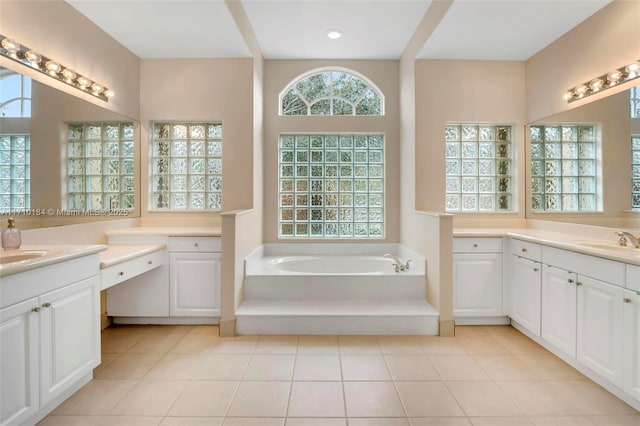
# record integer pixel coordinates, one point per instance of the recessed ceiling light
(334, 34)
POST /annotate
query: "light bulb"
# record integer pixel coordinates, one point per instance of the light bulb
(68, 75)
(83, 82)
(633, 69)
(614, 77)
(567, 95)
(581, 90)
(97, 88)
(596, 84)
(33, 57)
(10, 46)
(109, 93)
(53, 67)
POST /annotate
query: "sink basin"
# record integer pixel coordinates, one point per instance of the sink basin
(11, 256)
(606, 245)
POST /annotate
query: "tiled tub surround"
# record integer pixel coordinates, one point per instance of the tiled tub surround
(335, 289)
(577, 295)
(188, 375)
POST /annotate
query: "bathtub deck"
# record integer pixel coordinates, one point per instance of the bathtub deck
(346, 317)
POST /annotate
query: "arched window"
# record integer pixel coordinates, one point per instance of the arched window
(15, 95)
(331, 92)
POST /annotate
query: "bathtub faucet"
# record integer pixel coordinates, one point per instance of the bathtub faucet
(398, 265)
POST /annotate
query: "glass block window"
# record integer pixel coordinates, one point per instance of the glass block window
(15, 94)
(331, 93)
(635, 172)
(478, 168)
(331, 186)
(634, 95)
(14, 173)
(186, 161)
(563, 168)
(100, 166)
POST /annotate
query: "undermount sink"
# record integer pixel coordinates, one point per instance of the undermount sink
(606, 245)
(11, 256)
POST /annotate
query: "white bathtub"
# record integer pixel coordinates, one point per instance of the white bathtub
(323, 264)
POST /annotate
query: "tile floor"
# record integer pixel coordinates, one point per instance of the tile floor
(187, 376)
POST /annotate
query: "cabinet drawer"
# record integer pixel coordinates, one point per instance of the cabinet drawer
(477, 245)
(195, 244)
(525, 249)
(633, 277)
(608, 271)
(123, 271)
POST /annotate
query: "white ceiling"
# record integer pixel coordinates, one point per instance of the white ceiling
(373, 29)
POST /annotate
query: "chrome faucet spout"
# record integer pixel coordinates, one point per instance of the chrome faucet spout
(395, 259)
(625, 236)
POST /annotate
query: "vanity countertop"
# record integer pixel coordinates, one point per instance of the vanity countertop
(567, 241)
(168, 231)
(119, 253)
(53, 254)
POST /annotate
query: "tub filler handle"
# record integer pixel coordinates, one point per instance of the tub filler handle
(398, 266)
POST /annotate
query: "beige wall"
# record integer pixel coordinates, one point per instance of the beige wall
(464, 91)
(277, 75)
(198, 90)
(57, 30)
(607, 40)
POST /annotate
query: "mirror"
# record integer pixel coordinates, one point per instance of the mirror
(45, 162)
(610, 117)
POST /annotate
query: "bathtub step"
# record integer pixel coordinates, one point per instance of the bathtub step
(336, 317)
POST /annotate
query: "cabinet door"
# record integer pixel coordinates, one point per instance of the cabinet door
(558, 324)
(195, 284)
(525, 293)
(631, 351)
(477, 284)
(18, 362)
(600, 321)
(69, 335)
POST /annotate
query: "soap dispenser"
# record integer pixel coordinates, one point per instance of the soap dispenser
(11, 238)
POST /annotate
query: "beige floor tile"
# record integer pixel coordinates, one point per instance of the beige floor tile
(481, 345)
(470, 330)
(118, 339)
(129, 366)
(550, 367)
(150, 398)
(458, 367)
(204, 398)
(538, 398)
(500, 421)
(235, 345)
(372, 399)
(505, 367)
(52, 420)
(252, 421)
(105, 361)
(197, 342)
(260, 399)
(191, 421)
(284, 345)
(364, 367)
(483, 399)
(317, 367)
(359, 345)
(440, 421)
(428, 399)
(616, 420)
(270, 367)
(411, 367)
(160, 340)
(318, 345)
(316, 399)
(519, 344)
(591, 399)
(379, 422)
(130, 421)
(176, 367)
(562, 421)
(436, 345)
(95, 398)
(223, 367)
(400, 345)
(315, 422)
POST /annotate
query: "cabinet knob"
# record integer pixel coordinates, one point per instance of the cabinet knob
(150, 262)
(570, 281)
(195, 244)
(121, 273)
(524, 250)
(578, 283)
(46, 305)
(475, 245)
(535, 269)
(626, 300)
(36, 309)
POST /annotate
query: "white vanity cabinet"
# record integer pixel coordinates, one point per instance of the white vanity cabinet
(477, 278)
(558, 317)
(50, 342)
(195, 275)
(525, 272)
(631, 342)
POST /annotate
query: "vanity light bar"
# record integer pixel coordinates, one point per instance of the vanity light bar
(603, 82)
(12, 49)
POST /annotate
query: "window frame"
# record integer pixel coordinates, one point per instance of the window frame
(12, 179)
